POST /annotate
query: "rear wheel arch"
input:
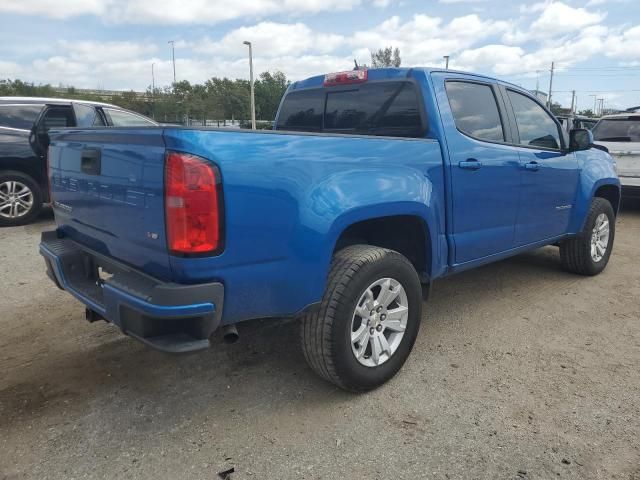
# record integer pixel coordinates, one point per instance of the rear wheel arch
(408, 235)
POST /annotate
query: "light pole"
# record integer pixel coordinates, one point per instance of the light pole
(153, 91)
(446, 62)
(173, 58)
(253, 99)
(550, 86)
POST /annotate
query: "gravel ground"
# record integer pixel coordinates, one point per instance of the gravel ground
(520, 371)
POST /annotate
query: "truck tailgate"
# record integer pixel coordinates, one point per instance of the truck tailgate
(107, 193)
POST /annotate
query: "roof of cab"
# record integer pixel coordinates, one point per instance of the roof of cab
(56, 101)
(395, 74)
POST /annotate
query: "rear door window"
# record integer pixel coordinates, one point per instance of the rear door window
(120, 118)
(19, 116)
(623, 129)
(382, 108)
(475, 110)
(85, 115)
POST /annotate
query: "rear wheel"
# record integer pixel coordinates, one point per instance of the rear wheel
(20, 199)
(588, 252)
(368, 320)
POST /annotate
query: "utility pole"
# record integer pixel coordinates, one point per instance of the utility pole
(446, 62)
(594, 103)
(253, 98)
(550, 86)
(573, 101)
(537, 82)
(173, 58)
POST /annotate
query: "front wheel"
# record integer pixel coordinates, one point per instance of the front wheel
(368, 319)
(588, 252)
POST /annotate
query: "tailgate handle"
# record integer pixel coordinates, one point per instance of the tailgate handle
(90, 161)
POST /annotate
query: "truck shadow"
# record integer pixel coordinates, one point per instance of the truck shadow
(102, 373)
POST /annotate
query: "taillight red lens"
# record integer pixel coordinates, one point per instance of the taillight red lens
(193, 204)
(346, 78)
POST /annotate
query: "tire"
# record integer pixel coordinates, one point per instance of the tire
(576, 253)
(14, 213)
(326, 333)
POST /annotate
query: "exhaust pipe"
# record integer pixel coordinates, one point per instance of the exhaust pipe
(230, 334)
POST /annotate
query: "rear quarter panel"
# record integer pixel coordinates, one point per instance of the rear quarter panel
(288, 198)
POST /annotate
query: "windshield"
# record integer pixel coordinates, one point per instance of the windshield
(624, 129)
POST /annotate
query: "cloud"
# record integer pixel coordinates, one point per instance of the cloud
(61, 9)
(271, 39)
(559, 18)
(624, 45)
(172, 11)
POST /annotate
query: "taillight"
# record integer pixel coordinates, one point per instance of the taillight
(193, 205)
(346, 78)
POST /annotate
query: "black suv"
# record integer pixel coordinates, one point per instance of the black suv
(24, 123)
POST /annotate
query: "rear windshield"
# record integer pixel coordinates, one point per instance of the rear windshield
(384, 108)
(624, 129)
(19, 116)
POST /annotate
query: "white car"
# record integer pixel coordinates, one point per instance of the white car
(621, 135)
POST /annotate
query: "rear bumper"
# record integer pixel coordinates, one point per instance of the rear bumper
(167, 316)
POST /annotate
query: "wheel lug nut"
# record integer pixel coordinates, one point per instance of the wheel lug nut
(379, 309)
(373, 312)
(383, 317)
(371, 330)
(379, 328)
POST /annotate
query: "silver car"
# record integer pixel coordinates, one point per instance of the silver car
(621, 135)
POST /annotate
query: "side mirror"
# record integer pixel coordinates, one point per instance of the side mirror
(580, 139)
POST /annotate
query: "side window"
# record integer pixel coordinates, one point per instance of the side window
(475, 110)
(120, 118)
(19, 116)
(535, 125)
(85, 115)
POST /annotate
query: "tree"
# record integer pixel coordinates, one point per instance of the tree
(269, 90)
(386, 57)
(587, 113)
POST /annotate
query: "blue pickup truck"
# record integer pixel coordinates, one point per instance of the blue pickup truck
(374, 184)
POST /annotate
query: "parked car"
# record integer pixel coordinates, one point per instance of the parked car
(24, 126)
(374, 184)
(620, 134)
(570, 122)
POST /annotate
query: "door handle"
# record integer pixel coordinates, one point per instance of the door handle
(470, 164)
(91, 161)
(533, 166)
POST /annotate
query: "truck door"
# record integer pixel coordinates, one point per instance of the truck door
(484, 169)
(550, 174)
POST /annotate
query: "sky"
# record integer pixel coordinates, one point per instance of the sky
(111, 44)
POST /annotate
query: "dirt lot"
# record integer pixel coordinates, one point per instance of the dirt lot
(520, 371)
